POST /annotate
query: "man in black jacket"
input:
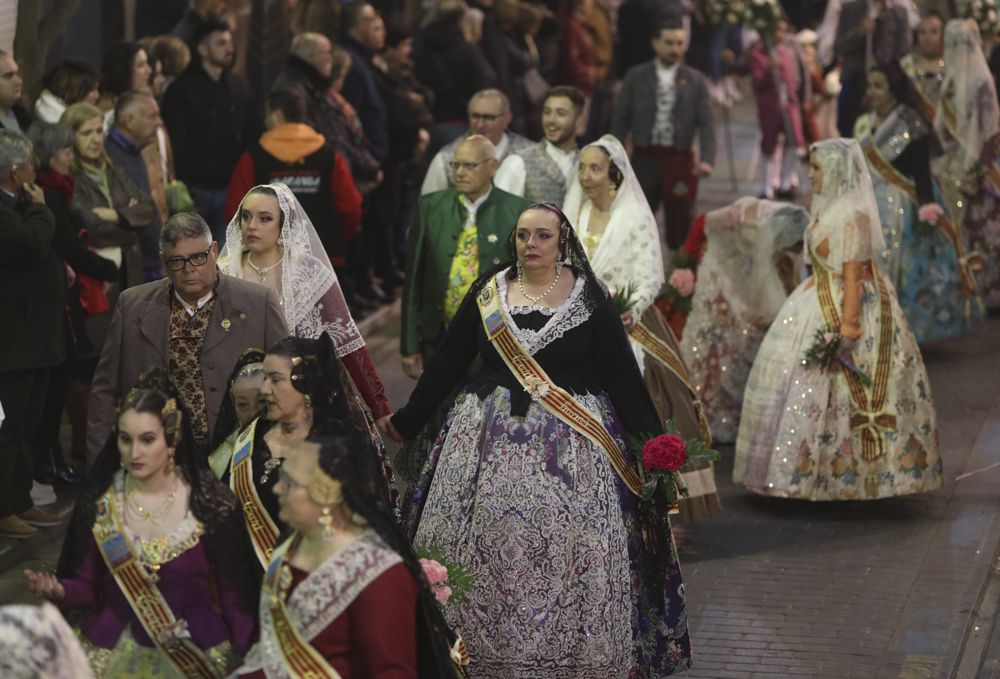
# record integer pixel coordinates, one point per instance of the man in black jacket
(211, 121)
(32, 298)
(307, 72)
(364, 37)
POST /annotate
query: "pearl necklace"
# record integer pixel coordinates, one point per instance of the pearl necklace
(263, 270)
(536, 299)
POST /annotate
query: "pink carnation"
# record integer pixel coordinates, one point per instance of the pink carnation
(828, 337)
(442, 594)
(682, 280)
(435, 573)
(665, 453)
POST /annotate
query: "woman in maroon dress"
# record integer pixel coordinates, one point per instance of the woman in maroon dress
(344, 596)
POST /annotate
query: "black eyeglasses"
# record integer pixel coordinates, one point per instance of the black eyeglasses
(459, 165)
(196, 260)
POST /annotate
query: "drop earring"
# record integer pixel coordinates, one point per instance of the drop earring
(307, 399)
(325, 521)
(170, 460)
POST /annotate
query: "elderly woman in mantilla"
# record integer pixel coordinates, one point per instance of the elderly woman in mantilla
(531, 488)
(344, 595)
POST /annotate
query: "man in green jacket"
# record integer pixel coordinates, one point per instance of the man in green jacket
(458, 234)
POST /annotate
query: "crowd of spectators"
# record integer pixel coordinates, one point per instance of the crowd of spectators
(366, 112)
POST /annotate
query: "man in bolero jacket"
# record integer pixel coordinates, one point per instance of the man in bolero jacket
(663, 104)
(470, 221)
(194, 324)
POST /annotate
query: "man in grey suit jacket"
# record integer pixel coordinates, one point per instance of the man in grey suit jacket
(662, 106)
(194, 324)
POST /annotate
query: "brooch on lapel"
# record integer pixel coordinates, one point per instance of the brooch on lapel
(225, 324)
(492, 238)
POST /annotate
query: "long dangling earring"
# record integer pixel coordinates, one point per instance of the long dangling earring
(281, 240)
(326, 523)
(307, 399)
(520, 273)
(559, 265)
(170, 460)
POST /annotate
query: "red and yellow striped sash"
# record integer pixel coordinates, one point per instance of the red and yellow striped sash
(142, 594)
(553, 398)
(302, 660)
(666, 356)
(263, 531)
(869, 416)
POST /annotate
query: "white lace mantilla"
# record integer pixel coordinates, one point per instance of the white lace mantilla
(568, 315)
(321, 598)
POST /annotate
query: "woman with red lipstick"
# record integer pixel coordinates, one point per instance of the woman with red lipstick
(272, 241)
(530, 486)
(155, 556)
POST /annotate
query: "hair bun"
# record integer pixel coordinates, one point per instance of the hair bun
(156, 378)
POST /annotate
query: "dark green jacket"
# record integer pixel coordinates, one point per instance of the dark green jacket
(431, 246)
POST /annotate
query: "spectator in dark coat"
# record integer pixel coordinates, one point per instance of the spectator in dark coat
(307, 72)
(211, 121)
(638, 22)
(69, 382)
(32, 295)
(452, 67)
(137, 117)
(364, 37)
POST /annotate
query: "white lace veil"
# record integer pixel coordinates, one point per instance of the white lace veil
(306, 271)
(846, 197)
(629, 251)
(969, 89)
(37, 642)
(743, 241)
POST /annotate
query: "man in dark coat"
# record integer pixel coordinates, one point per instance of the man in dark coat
(662, 107)
(211, 121)
(364, 37)
(32, 300)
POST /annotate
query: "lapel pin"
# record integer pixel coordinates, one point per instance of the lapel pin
(492, 238)
(226, 324)
(243, 316)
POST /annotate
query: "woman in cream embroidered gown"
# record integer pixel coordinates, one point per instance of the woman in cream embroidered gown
(751, 261)
(967, 121)
(608, 208)
(814, 434)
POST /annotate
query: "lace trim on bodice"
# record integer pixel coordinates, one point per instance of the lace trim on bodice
(568, 315)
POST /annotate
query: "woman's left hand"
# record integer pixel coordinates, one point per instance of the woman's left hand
(385, 425)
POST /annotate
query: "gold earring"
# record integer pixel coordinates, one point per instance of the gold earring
(170, 460)
(326, 523)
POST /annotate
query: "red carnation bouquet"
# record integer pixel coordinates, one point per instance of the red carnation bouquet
(664, 455)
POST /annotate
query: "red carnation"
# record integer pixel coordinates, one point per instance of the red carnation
(665, 453)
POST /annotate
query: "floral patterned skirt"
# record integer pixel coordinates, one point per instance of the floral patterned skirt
(129, 660)
(796, 438)
(537, 515)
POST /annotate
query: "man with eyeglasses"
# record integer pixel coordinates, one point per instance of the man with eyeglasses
(195, 324)
(489, 116)
(458, 233)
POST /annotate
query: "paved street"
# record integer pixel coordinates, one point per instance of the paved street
(904, 588)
